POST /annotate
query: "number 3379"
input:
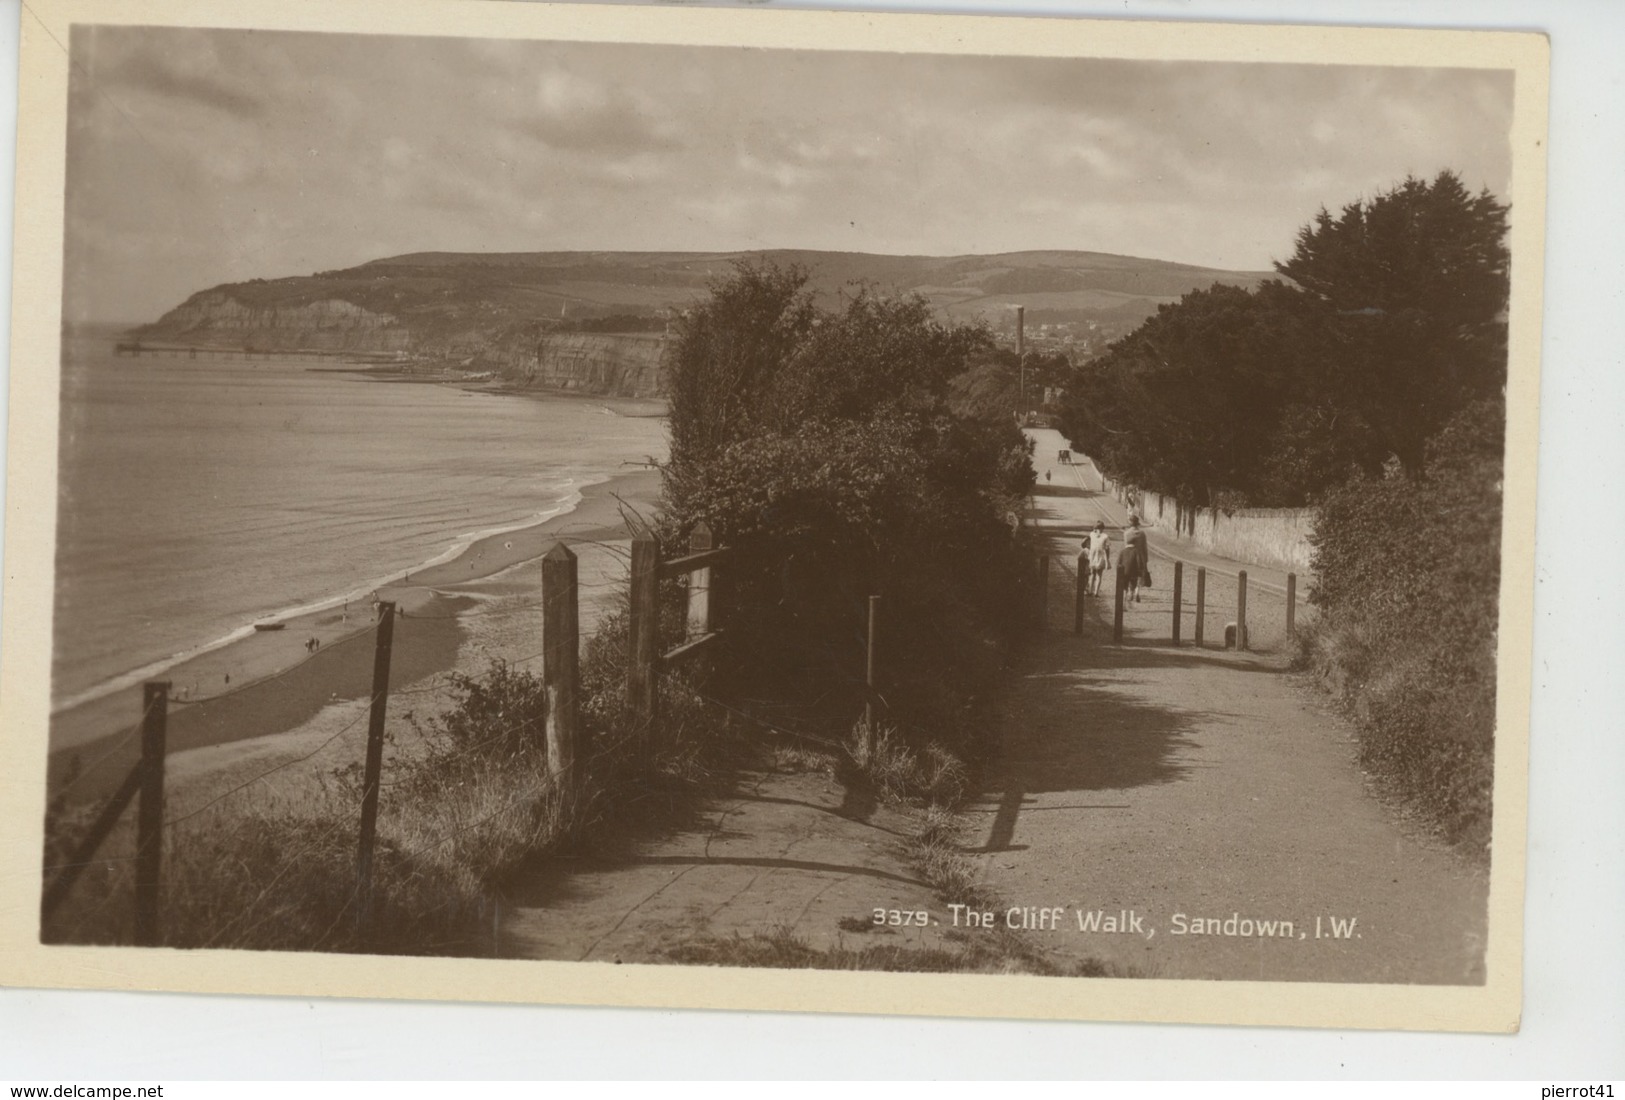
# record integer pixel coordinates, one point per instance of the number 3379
(902, 917)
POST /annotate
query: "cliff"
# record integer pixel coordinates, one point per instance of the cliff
(525, 354)
(216, 318)
(607, 364)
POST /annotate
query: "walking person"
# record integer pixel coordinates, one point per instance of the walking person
(1098, 545)
(1136, 559)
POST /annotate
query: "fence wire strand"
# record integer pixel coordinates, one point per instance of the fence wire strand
(273, 770)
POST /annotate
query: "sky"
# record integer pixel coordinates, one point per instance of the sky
(197, 157)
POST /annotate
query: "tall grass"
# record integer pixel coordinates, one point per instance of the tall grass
(462, 806)
(898, 772)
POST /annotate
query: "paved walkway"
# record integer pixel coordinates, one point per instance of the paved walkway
(1204, 805)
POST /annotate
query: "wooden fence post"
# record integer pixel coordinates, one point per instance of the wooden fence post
(1291, 605)
(1117, 616)
(374, 765)
(701, 617)
(870, 657)
(642, 686)
(149, 827)
(1201, 601)
(1241, 609)
(1081, 593)
(1179, 597)
(1041, 570)
(561, 656)
(702, 611)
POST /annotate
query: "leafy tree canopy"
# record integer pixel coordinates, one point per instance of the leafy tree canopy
(831, 451)
(1395, 321)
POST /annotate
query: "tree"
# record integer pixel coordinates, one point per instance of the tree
(1189, 402)
(727, 355)
(823, 448)
(1394, 322)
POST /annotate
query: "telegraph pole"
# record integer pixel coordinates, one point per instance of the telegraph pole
(1021, 366)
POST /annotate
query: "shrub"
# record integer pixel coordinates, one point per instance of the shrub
(1408, 583)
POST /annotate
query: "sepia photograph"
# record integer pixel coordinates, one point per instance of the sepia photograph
(908, 514)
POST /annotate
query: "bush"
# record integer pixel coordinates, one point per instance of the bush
(1408, 585)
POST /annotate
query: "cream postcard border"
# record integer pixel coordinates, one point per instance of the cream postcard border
(25, 633)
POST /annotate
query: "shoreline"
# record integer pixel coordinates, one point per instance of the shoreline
(393, 374)
(277, 685)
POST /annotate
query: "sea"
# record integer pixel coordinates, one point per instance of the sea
(199, 496)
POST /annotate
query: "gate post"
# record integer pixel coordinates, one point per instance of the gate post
(150, 814)
(1179, 595)
(870, 657)
(561, 656)
(1117, 616)
(1081, 593)
(1241, 609)
(642, 687)
(701, 616)
(1041, 573)
(1201, 602)
(374, 765)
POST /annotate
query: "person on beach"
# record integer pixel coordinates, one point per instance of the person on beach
(1098, 545)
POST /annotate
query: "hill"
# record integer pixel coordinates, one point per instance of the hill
(505, 311)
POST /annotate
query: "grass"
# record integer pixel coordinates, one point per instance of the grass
(282, 875)
(781, 949)
(934, 852)
(464, 805)
(898, 773)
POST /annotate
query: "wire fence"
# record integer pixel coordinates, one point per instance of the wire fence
(320, 773)
(313, 773)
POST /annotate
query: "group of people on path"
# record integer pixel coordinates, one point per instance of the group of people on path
(1134, 560)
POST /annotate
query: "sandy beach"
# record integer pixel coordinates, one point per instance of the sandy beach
(282, 700)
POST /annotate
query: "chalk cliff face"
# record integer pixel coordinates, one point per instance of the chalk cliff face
(610, 364)
(215, 318)
(524, 353)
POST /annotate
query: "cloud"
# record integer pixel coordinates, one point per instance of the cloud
(577, 114)
(192, 80)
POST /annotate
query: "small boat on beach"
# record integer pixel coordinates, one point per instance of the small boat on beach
(270, 626)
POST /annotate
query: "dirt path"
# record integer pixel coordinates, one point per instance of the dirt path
(1164, 787)
(782, 852)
